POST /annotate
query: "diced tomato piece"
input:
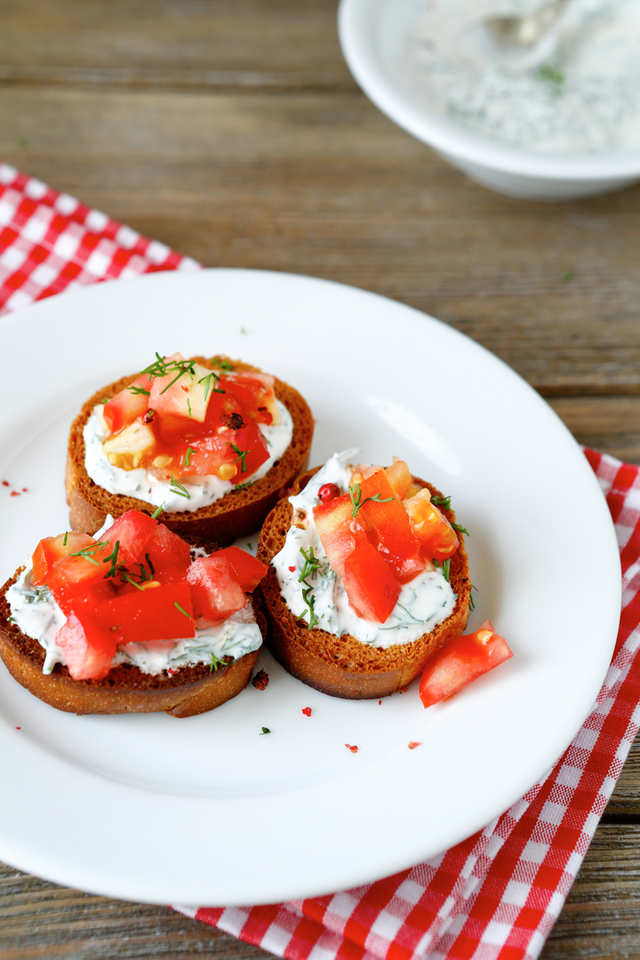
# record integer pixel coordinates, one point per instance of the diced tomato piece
(166, 555)
(216, 595)
(132, 531)
(461, 661)
(51, 549)
(369, 583)
(255, 393)
(70, 595)
(387, 517)
(399, 477)
(210, 457)
(152, 613)
(247, 570)
(249, 441)
(130, 403)
(338, 530)
(87, 646)
(438, 537)
(183, 394)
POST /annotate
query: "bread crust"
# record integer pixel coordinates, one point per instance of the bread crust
(192, 690)
(343, 666)
(237, 514)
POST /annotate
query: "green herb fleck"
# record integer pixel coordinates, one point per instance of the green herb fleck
(456, 526)
(551, 75)
(569, 276)
(134, 389)
(242, 455)
(66, 537)
(181, 609)
(177, 487)
(265, 730)
(472, 605)
(356, 499)
(88, 552)
(187, 457)
(207, 381)
(222, 362)
(156, 513)
(113, 558)
(215, 663)
(127, 578)
(444, 566)
(439, 501)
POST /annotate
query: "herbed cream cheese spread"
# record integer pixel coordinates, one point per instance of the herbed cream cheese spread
(197, 491)
(35, 611)
(423, 602)
(576, 90)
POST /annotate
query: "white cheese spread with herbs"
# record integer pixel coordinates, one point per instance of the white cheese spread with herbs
(576, 90)
(423, 602)
(195, 491)
(34, 610)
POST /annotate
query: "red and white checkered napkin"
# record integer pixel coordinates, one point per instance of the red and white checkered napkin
(498, 893)
(51, 242)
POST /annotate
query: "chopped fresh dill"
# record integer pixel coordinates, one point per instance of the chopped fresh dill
(439, 501)
(265, 730)
(472, 605)
(177, 487)
(113, 558)
(356, 499)
(187, 457)
(242, 455)
(216, 663)
(409, 614)
(189, 406)
(149, 564)
(88, 552)
(444, 566)
(127, 578)
(222, 362)
(551, 75)
(181, 609)
(210, 377)
(156, 513)
(456, 526)
(134, 389)
(241, 486)
(66, 537)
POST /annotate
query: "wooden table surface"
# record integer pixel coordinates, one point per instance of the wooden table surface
(232, 131)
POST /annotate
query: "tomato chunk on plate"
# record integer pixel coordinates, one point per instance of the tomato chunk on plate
(461, 661)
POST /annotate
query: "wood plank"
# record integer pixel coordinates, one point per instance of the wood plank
(608, 424)
(172, 43)
(323, 184)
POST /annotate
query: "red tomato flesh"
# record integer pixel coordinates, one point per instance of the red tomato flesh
(87, 647)
(149, 614)
(128, 405)
(255, 393)
(388, 519)
(52, 549)
(461, 661)
(166, 555)
(247, 570)
(369, 583)
(132, 531)
(214, 592)
(338, 530)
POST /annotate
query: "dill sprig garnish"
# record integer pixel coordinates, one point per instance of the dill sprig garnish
(242, 455)
(216, 663)
(88, 552)
(162, 367)
(176, 487)
(156, 513)
(181, 609)
(210, 377)
(311, 566)
(113, 559)
(187, 457)
(127, 578)
(222, 362)
(444, 566)
(439, 501)
(356, 499)
(134, 389)
(456, 526)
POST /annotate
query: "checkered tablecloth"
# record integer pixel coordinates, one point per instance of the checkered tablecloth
(497, 894)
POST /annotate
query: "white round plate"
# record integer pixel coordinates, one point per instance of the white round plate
(210, 810)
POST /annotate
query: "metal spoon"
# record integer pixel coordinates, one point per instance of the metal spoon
(513, 33)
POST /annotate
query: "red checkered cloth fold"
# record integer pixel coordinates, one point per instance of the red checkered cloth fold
(497, 894)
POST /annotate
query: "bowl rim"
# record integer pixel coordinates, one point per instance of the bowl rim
(356, 28)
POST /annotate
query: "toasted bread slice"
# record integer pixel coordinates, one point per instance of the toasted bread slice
(237, 514)
(193, 689)
(344, 666)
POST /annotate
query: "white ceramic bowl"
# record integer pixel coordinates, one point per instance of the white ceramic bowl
(373, 35)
